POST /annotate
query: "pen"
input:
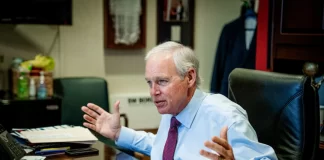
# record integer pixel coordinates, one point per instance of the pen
(51, 149)
(49, 152)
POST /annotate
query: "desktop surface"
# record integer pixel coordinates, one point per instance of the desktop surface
(106, 152)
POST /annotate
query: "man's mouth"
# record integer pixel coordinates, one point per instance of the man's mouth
(159, 103)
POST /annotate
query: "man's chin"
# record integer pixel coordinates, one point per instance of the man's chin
(162, 110)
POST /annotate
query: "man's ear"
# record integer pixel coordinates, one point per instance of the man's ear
(191, 77)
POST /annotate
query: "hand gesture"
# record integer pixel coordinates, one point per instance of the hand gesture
(219, 145)
(101, 121)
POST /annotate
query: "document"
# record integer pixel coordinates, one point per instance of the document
(33, 158)
(74, 134)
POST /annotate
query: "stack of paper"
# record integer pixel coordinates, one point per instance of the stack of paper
(62, 134)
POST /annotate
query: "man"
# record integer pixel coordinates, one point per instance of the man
(194, 124)
(180, 10)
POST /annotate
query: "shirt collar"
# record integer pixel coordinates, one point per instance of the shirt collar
(187, 115)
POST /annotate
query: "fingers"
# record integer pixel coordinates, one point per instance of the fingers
(88, 125)
(90, 112)
(220, 145)
(89, 119)
(99, 110)
(90, 122)
(223, 138)
(116, 107)
(208, 155)
(221, 142)
(96, 108)
(216, 147)
(223, 133)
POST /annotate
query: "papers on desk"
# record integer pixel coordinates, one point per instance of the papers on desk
(33, 158)
(16, 131)
(75, 134)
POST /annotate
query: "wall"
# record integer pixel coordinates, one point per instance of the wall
(82, 47)
(77, 49)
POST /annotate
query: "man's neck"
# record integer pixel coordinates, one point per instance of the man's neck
(190, 94)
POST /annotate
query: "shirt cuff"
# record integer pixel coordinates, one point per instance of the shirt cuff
(126, 137)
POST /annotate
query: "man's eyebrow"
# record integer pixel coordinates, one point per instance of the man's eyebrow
(163, 78)
(157, 78)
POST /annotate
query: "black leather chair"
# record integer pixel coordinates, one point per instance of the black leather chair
(321, 90)
(321, 102)
(282, 108)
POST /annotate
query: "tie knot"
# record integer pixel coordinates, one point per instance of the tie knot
(174, 122)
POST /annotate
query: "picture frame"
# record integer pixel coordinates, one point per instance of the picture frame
(109, 31)
(175, 19)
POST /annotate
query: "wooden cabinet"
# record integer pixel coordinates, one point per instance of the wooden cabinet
(302, 16)
(297, 34)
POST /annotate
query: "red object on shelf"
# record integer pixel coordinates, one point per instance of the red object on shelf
(262, 36)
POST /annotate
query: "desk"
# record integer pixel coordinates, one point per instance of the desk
(105, 153)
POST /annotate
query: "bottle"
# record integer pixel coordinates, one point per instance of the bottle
(32, 88)
(22, 85)
(41, 91)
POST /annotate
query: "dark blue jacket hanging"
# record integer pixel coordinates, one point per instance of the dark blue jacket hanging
(230, 54)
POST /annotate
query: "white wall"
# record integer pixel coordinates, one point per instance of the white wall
(79, 51)
(81, 44)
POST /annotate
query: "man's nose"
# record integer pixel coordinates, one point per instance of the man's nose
(155, 90)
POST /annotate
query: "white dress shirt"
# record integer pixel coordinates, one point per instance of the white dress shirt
(204, 117)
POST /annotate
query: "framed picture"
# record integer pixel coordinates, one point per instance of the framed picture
(175, 21)
(110, 30)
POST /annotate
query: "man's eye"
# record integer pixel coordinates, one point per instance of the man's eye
(149, 83)
(163, 82)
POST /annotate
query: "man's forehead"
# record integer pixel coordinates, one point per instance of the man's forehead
(157, 77)
(159, 57)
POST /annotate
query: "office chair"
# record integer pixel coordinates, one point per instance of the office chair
(283, 109)
(79, 91)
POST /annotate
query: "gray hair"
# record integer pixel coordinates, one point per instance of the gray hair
(183, 57)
